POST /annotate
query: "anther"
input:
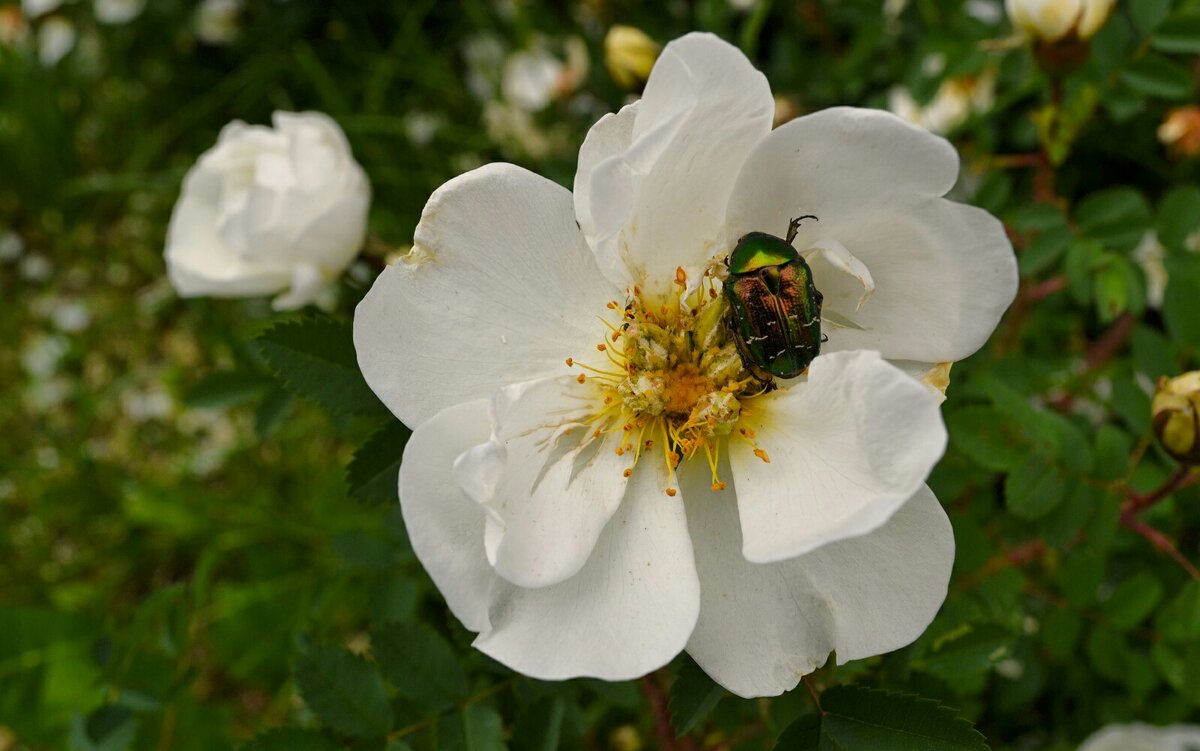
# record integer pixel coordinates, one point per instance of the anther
(619, 451)
(601, 347)
(671, 492)
(718, 486)
(569, 361)
(628, 473)
(611, 305)
(581, 378)
(762, 455)
(680, 276)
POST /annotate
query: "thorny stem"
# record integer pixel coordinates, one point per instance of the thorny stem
(662, 717)
(1131, 506)
(1135, 504)
(812, 691)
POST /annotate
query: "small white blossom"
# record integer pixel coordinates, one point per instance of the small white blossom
(35, 8)
(267, 210)
(117, 12)
(56, 38)
(216, 21)
(1150, 255)
(1141, 737)
(598, 478)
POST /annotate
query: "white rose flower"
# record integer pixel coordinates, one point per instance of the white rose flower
(1053, 20)
(595, 480)
(1140, 737)
(269, 210)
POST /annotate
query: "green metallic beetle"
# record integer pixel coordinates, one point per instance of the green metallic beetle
(774, 308)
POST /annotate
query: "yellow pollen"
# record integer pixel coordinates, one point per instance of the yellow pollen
(619, 450)
(762, 455)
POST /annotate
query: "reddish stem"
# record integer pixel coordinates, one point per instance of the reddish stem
(662, 717)
(1135, 503)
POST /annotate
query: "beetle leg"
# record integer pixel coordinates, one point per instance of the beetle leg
(794, 225)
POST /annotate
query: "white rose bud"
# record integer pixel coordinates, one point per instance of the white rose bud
(269, 210)
(1055, 20)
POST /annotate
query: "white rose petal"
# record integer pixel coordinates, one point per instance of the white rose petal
(567, 366)
(762, 627)
(269, 210)
(855, 442)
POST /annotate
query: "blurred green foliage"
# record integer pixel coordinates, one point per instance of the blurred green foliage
(187, 564)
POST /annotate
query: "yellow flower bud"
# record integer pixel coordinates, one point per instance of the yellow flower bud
(1059, 20)
(1175, 414)
(625, 738)
(629, 55)
(1180, 131)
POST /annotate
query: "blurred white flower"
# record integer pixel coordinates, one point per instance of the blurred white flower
(41, 357)
(1058, 20)
(1150, 254)
(11, 247)
(56, 38)
(1140, 737)
(530, 78)
(71, 317)
(35, 8)
(953, 104)
(484, 55)
(421, 127)
(35, 267)
(117, 11)
(216, 21)
(565, 484)
(143, 406)
(989, 12)
(267, 210)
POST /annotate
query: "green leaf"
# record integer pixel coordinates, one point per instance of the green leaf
(1044, 251)
(420, 664)
(290, 739)
(862, 719)
(1181, 304)
(345, 691)
(693, 695)
(1153, 353)
(475, 728)
(372, 474)
(1178, 216)
(966, 651)
(1148, 14)
(1060, 632)
(1179, 620)
(802, 735)
(1132, 600)
(1156, 76)
(1034, 488)
(539, 727)
(226, 389)
(272, 412)
(314, 357)
(1106, 649)
(1179, 34)
(1115, 207)
(980, 433)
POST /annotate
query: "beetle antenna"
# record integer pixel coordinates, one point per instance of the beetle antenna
(794, 225)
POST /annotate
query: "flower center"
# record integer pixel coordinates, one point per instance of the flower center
(674, 380)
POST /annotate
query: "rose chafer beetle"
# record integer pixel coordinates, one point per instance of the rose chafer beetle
(774, 308)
